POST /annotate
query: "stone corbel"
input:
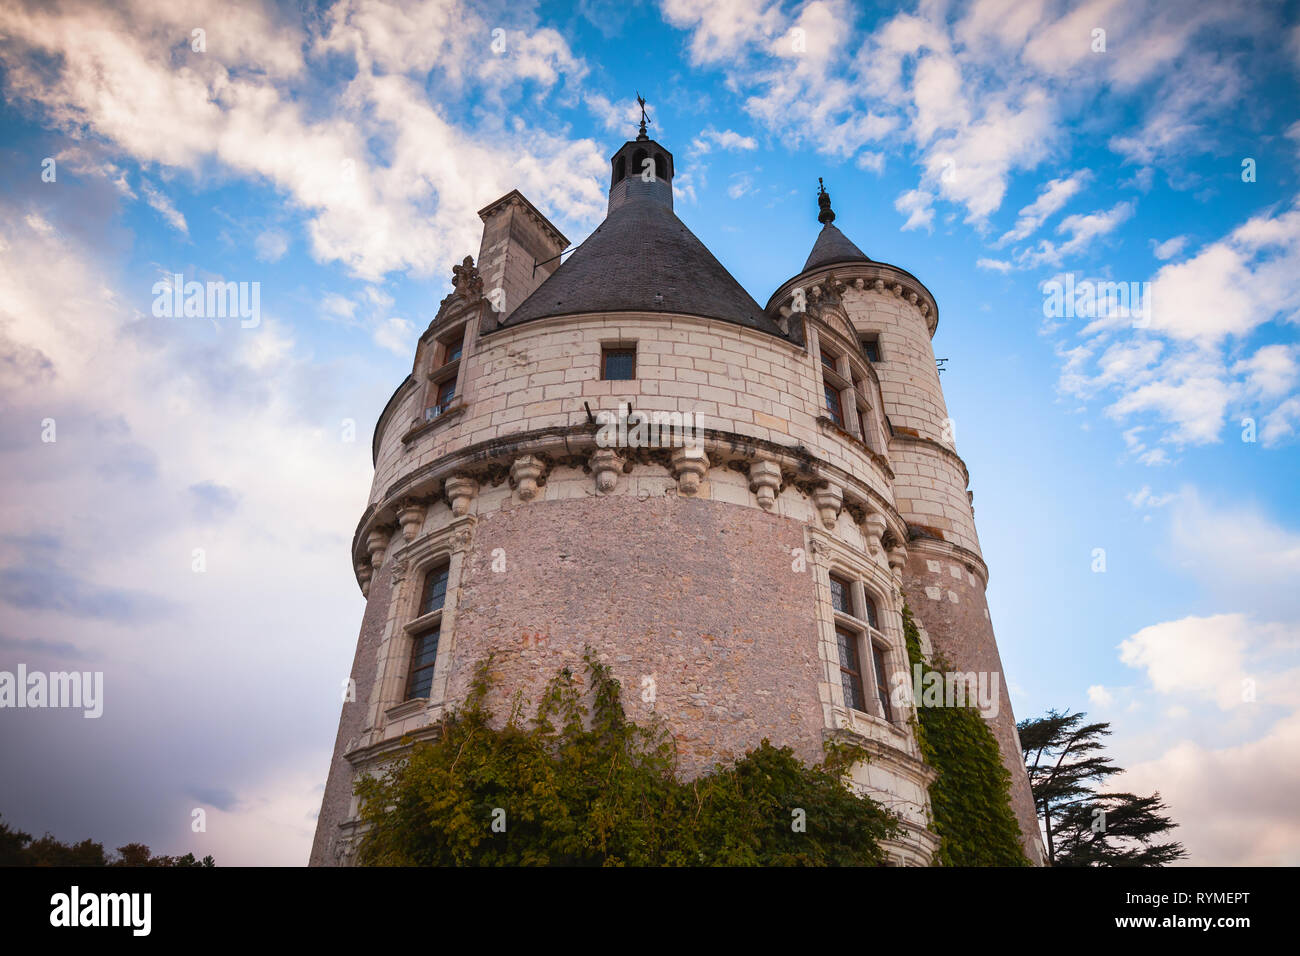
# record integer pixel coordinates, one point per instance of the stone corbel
(876, 525)
(364, 573)
(410, 516)
(690, 465)
(765, 482)
(460, 491)
(828, 501)
(606, 466)
(377, 544)
(524, 475)
(897, 560)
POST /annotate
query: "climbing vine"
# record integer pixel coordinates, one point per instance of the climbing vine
(970, 799)
(580, 784)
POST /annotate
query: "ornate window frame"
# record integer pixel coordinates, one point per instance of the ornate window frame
(866, 578)
(412, 565)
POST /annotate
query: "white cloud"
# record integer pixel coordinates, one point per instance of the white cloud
(994, 265)
(271, 245)
(1099, 696)
(741, 183)
(396, 335)
(1170, 247)
(163, 204)
(918, 206)
(1271, 371)
(722, 139)
(1054, 195)
(388, 182)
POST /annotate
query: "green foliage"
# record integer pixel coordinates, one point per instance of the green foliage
(1084, 828)
(19, 849)
(591, 788)
(971, 798)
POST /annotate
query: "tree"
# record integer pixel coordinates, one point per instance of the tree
(1083, 827)
(586, 786)
(19, 849)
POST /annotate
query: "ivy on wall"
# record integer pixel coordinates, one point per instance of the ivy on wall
(971, 799)
(585, 786)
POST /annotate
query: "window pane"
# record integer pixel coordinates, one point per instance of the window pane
(840, 595)
(424, 652)
(453, 351)
(872, 348)
(850, 672)
(871, 613)
(882, 679)
(833, 405)
(435, 590)
(620, 364)
(828, 360)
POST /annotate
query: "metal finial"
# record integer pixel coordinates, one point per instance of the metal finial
(825, 215)
(641, 100)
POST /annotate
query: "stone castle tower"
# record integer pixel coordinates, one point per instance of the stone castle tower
(752, 573)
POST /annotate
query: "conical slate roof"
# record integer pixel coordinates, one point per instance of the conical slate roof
(642, 258)
(833, 246)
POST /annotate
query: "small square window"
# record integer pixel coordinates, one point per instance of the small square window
(828, 359)
(618, 364)
(871, 346)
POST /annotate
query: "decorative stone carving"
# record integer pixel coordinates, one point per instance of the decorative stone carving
(460, 491)
(466, 279)
(897, 559)
(606, 465)
(690, 465)
(875, 528)
(524, 474)
(364, 573)
(765, 482)
(828, 501)
(377, 544)
(410, 516)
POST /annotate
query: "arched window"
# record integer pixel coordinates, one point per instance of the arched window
(620, 170)
(638, 162)
(661, 166)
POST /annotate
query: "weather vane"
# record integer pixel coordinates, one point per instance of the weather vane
(641, 100)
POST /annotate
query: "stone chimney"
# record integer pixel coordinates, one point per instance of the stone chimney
(520, 249)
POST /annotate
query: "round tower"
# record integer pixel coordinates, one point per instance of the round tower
(893, 319)
(618, 448)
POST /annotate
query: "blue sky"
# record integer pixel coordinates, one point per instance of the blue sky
(338, 156)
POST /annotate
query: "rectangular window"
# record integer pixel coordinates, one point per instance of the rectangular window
(452, 350)
(871, 346)
(618, 364)
(446, 393)
(871, 613)
(424, 653)
(840, 599)
(435, 591)
(833, 408)
(882, 679)
(850, 669)
(828, 360)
